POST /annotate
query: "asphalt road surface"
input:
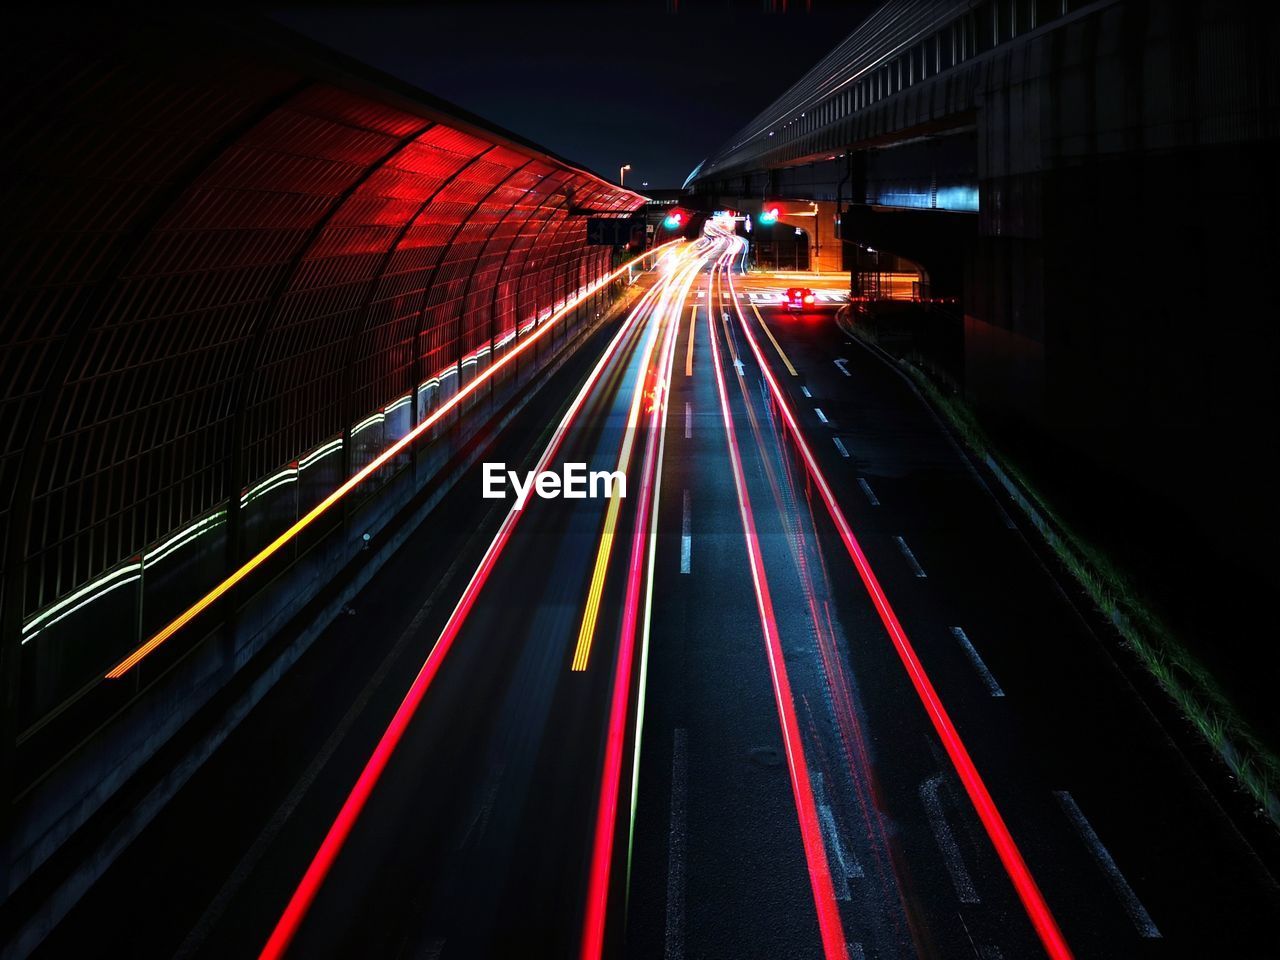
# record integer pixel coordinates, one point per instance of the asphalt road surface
(807, 690)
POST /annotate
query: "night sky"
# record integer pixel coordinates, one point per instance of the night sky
(603, 83)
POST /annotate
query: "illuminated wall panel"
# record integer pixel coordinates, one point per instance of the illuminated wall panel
(231, 270)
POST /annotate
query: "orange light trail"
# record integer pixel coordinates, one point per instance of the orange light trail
(132, 660)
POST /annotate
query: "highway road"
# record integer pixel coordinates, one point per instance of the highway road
(807, 690)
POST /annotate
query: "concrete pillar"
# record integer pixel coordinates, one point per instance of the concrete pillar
(817, 218)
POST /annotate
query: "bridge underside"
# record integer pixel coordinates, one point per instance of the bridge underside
(1094, 190)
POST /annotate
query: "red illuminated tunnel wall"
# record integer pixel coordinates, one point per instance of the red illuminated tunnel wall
(237, 266)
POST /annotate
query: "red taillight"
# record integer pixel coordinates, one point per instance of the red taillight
(809, 299)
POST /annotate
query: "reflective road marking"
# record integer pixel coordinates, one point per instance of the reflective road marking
(1132, 905)
(978, 663)
(911, 558)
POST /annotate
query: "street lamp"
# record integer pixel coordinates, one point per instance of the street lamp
(622, 174)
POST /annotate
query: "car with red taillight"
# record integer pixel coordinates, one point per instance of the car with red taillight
(799, 298)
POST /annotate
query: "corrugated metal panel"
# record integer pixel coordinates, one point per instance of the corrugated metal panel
(222, 265)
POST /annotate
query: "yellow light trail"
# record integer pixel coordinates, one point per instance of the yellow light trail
(591, 613)
(693, 325)
(777, 346)
(582, 651)
(125, 665)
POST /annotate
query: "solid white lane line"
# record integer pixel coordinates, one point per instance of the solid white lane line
(677, 846)
(686, 537)
(1132, 905)
(844, 452)
(911, 558)
(805, 391)
(866, 488)
(951, 858)
(821, 416)
(843, 366)
(688, 420)
(978, 663)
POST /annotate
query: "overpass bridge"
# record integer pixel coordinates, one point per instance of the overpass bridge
(1040, 158)
(1087, 180)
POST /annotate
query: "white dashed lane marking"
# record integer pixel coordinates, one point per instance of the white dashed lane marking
(911, 558)
(978, 662)
(1132, 905)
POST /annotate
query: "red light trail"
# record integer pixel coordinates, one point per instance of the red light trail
(304, 895)
(829, 923)
(610, 783)
(838, 684)
(1028, 891)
